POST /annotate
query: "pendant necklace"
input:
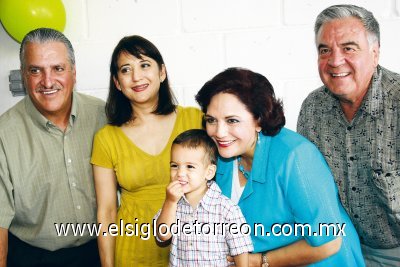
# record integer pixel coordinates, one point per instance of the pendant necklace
(241, 168)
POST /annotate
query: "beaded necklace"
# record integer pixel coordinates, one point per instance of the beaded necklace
(241, 168)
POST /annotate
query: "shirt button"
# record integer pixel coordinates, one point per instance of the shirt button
(78, 207)
(353, 188)
(351, 158)
(349, 128)
(69, 160)
(355, 216)
(73, 184)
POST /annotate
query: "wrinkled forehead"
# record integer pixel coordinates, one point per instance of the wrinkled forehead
(46, 51)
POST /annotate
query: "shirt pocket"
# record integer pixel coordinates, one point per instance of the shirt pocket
(387, 185)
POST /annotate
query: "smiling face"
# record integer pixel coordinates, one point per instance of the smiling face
(192, 169)
(49, 78)
(139, 78)
(346, 61)
(231, 126)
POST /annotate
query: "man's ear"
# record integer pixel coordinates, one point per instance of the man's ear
(376, 53)
(212, 168)
(74, 73)
(116, 82)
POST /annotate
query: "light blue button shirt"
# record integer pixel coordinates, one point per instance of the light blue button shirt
(290, 183)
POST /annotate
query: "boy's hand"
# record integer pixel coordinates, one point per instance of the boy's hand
(174, 192)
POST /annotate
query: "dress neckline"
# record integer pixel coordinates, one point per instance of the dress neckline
(166, 146)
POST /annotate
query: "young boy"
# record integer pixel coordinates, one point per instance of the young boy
(204, 225)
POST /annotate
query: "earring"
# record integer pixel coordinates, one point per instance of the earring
(258, 137)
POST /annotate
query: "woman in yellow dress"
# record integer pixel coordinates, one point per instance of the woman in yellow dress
(132, 153)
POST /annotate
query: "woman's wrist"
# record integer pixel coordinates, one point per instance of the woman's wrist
(264, 260)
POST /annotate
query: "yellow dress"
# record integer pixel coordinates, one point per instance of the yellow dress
(143, 179)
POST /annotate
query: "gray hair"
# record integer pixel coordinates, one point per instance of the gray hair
(344, 11)
(44, 35)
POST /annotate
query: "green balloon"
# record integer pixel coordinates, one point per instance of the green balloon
(22, 16)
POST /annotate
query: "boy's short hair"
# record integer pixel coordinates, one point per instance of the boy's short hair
(196, 138)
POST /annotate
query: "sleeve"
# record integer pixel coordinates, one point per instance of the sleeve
(313, 196)
(237, 234)
(193, 118)
(199, 118)
(7, 210)
(101, 152)
(302, 125)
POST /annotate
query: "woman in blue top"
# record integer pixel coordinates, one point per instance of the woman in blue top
(279, 179)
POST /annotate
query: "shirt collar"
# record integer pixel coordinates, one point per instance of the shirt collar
(74, 108)
(209, 197)
(41, 120)
(260, 158)
(212, 193)
(331, 101)
(373, 101)
(225, 166)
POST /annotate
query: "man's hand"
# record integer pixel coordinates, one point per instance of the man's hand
(3, 247)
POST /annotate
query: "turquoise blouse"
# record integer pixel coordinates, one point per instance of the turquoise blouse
(290, 183)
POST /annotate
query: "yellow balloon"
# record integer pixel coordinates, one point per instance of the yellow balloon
(21, 16)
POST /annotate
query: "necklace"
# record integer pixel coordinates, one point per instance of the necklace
(241, 168)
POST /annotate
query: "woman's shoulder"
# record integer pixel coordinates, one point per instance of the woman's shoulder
(289, 141)
(189, 111)
(189, 117)
(107, 131)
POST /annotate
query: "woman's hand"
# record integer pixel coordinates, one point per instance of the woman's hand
(254, 260)
(299, 253)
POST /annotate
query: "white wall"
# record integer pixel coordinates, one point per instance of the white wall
(200, 38)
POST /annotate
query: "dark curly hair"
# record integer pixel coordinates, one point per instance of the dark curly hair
(118, 106)
(253, 90)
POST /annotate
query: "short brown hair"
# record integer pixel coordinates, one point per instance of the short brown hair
(196, 138)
